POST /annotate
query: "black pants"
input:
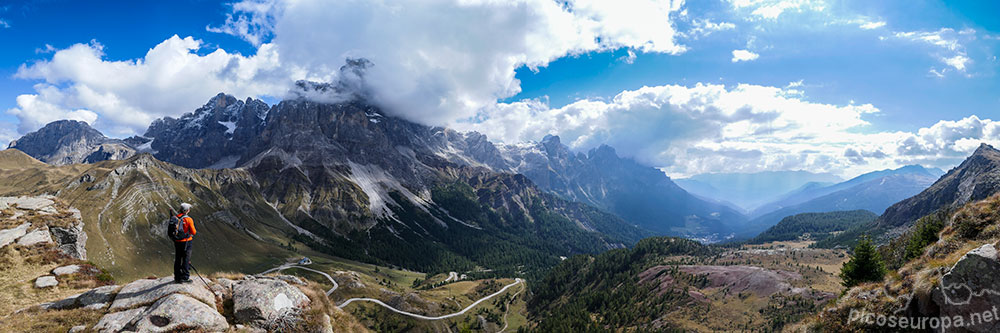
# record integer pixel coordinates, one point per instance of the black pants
(182, 260)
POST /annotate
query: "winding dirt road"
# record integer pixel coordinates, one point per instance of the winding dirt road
(414, 315)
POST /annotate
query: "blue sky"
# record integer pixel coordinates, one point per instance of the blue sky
(838, 86)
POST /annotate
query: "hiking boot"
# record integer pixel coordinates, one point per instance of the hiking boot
(183, 281)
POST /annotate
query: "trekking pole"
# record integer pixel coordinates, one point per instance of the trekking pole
(200, 277)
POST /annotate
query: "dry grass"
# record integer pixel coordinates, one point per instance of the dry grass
(36, 320)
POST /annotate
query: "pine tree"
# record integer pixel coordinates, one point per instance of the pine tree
(865, 265)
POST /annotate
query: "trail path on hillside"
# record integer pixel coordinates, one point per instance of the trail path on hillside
(414, 315)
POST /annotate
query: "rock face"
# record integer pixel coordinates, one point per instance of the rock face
(69, 142)
(975, 179)
(215, 135)
(176, 312)
(639, 194)
(71, 241)
(965, 290)
(262, 301)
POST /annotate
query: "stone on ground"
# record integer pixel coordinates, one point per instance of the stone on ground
(66, 270)
(148, 291)
(78, 329)
(46, 281)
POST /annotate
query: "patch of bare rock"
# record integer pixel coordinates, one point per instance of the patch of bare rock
(160, 305)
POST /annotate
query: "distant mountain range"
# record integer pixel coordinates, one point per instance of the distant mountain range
(751, 190)
(874, 192)
(307, 154)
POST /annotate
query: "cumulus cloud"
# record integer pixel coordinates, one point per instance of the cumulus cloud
(707, 128)
(123, 97)
(744, 55)
(689, 130)
(443, 60)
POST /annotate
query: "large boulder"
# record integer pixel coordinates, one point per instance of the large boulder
(970, 290)
(264, 301)
(179, 312)
(40, 235)
(72, 241)
(116, 321)
(8, 236)
(148, 291)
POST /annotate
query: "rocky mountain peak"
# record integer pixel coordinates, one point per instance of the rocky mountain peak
(71, 141)
(975, 179)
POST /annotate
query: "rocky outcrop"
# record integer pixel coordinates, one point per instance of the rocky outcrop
(160, 305)
(264, 301)
(67, 233)
(975, 179)
(969, 288)
(69, 142)
(72, 240)
(38, 236)
(116, 321)
(94, 299)
(8, 236)
(148, 291)
(176, 312)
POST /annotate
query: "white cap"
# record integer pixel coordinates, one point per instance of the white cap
(185, 207)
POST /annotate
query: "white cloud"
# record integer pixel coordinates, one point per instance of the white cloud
(872, 25)
(123, 97)
(707, 128)
(958, 61)
(4, 24)
(744, 55)
(704, 27)
(772, 9)
(947, 45)
(436, 61)
(691, 130)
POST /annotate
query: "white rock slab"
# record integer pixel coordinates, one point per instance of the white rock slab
(46, 281)
(40, 235)
(8, 236)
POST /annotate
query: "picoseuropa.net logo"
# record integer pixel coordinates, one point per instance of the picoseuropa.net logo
(956, 295)
(923, 323)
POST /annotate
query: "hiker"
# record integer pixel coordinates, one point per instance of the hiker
(182, 247)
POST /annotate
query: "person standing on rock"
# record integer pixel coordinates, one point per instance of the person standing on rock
(182, 247)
